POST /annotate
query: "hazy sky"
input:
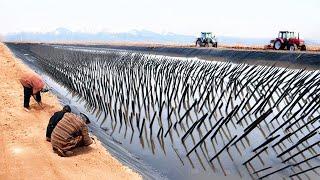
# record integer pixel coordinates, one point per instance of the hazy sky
(241, 18)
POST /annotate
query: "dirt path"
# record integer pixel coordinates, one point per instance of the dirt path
(24, 152)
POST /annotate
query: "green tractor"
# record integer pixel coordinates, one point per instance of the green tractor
(206, 40)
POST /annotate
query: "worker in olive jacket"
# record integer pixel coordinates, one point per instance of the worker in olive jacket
(70, 132)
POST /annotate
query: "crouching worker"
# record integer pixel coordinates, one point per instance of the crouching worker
(32, 85)
(55, 119)
(70, 132)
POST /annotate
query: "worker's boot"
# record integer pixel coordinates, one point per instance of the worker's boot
(63, 153)
(59, 152)
(26, 109)
(68, 153)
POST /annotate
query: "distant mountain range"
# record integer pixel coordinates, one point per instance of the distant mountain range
(143, 36)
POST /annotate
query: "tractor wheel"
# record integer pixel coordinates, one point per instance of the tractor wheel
(198, 43)
(214, 44)
(277, 45)
(303, 48)
(292, 47)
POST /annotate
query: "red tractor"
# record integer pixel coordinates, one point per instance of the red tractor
(288, 40)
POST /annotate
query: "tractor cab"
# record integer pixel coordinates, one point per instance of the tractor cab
(286, 35)
(206, 35)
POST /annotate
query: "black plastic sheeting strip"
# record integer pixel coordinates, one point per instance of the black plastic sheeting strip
(297, 57)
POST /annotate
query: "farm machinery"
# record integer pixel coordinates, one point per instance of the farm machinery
(287, 40)
(206, 40)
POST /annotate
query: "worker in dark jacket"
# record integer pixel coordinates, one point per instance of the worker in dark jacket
(32, 85)
(55, 119)
(70, 132)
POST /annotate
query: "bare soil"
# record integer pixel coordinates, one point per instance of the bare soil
(24, 152)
